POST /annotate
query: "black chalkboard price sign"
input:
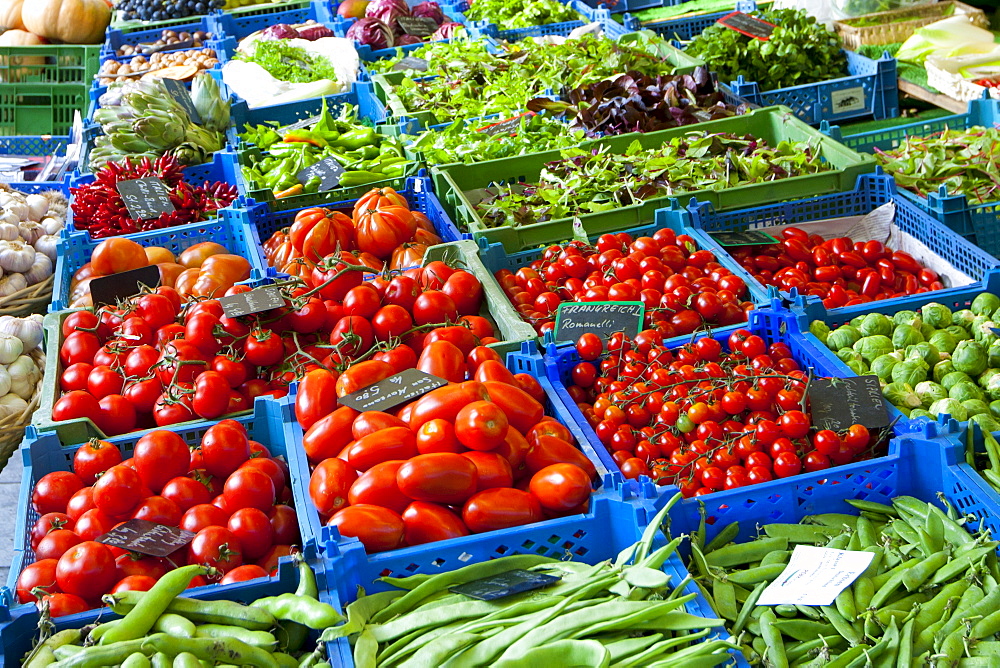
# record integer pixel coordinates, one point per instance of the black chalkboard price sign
(837, 403)
(601, 318)
(745, 238)
(145, 537)
(748, 25)
(182, 95)
(393, 391)
(418, 26)
(328, 170)
(254, 301)
(504, 584)
(145, 198)
(116, 287)
(411, 63)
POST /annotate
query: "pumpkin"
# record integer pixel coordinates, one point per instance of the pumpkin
(69, 21)
(10, 14)
(19, 38)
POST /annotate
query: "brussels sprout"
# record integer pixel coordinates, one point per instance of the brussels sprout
(995, 408)
(954, 377)
(929, 392)
(872, 347)
(901, 395)
(848, 354)
(985, 421)
(844, 336)
(911, 372)
(965, 390)
(942, 369)
(906, 335)
(882, 366)
(992, 388)
(936, 315)
(910, 318)
(924, 351)
(917, 413)
(985, 303)
(926, 331)
(993, 354)
(950, 407)
(983, 332)
(876, 323)
(858, 366)
(969, 357)
(856, 321)
(943, 341)
(976, 407)
(819, 329)
(960, 332)
(963, 318)
(984, 378)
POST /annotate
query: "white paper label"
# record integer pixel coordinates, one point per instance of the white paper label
(848, 99)
(815, 575)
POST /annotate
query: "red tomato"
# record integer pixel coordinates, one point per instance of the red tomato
(61, 604)
(284, 525)
(132, 563)
(56, 543)
(481, 425)
(76, 404)
(186, 492)
(445, 402)
(382, 446)
(211, 395)
(550, 450)
(86, 570)
(441, 477)
(444, 360)
(500, 508)
(522, 410)
(158, 509)
(225, 447)
(53, 491)
(560, 487)
(244, 573)
(377, 486)
(377, 528)
(134, 583)
(49, 522)
(249, 488)
(316, 398)
(159, 456)
(217, 548)
(93, 524)
(41, 574)
(328, 435)
(430, 522)
(93, 458)
(492, 470)
(201, 516)
(118, 491)
(330, 484)
(253, 530)
(437, 436)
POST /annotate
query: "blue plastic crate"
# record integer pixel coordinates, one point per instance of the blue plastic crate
(75, 248)
(43, 146)
(115, 39)
(808, 309)
(242, 25)
(221, 169)
(773, 324)
(872, 191)
(43, 453)
(957, 434)
(19, 623)
(868, 90)
(977, 222)
(616, 520)
(527, 361)
(684, 29)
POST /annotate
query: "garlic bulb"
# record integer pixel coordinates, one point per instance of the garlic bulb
(46, 245)
(5, 380)
(40, 269)
(16, 256)
(9, 232)
(10, 218)
(17, 208)
(29, 330)
(23, 377)
(11, 348)
(38, 206)
(52, 225)
(11, 404)
(12, 283)
(30, 231)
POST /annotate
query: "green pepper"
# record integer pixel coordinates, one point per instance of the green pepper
(307, 137)
(359, 177)
(369, 152)
(356, 138)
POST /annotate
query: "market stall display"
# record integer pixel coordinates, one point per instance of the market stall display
(496, 333)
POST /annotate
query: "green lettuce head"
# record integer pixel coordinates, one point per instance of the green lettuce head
(942, 369)
(924, 351)
(819, 329)
(875, 323)
(882, 366)
(954, 377)
(969, 357)
(936, 315)
(844, 336)
(929, 392)
(950, 407)
(964, 391)
(871, 347)
(943, 341)
(985, 303)
(910, 371)
(906, 335)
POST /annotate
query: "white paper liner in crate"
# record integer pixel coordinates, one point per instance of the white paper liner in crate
(879, 225)
(944, 74)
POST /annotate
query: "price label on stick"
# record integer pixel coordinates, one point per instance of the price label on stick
(393, 391)
(328, 170)
(255, 301)
(744, 238)
(508, 126)
(504, 585)
(837, 403)
(748, 25)
(418, 26)
(117, 287)
(145, 537)
(182, 95)
(601, 318)
(145, 198)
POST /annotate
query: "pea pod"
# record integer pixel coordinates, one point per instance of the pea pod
(771, 634)
(745, 553)
(754, 575)
(917, 575)
(724, 537)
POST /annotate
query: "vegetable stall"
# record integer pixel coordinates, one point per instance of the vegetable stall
(481, 333)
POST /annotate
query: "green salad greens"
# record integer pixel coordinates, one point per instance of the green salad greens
(589, 181)
(462, 143)
(289, 63)
(511, 14)
(799, 51)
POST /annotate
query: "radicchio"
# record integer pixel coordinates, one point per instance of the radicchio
(405, 39)
(279, 31)
(315, 31)
(446, 31)
(388, 11)
(431, 10)
(372, 32)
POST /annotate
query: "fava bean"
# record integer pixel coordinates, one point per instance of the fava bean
(261, 639)
(306, 611)
(202, 612)
(186, 660)
(210, 649)
(161, 660)
(174, 625)
(101, 655)
(140, 619)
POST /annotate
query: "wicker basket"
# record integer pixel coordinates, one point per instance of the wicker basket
(888, 32)
(32, 299)
(12, 427)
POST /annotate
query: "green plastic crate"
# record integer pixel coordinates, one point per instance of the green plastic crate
(51, 63)
(496, 307)
(251, 10)
(41, 109)
(773, 124)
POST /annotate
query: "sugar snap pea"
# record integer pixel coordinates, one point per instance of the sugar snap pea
(771, 634)
(724, 596)
(843, 626)
(776, 557)
(803, 629)
(800, 533)
(873, 507)
(745, 553)
(961, 563)
(801, 650)
(754, 575)
(845, 604)
(748, 608)
(786, 610)
(917, 575)
(725, 536)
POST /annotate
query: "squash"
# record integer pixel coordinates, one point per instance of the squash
(69, 21)
(10, 14)
(19, 38)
